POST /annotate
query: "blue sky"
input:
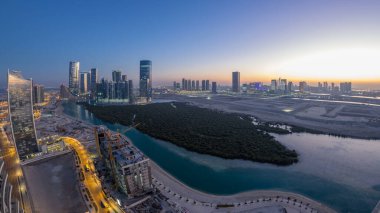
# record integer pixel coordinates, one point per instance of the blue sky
(193, 39)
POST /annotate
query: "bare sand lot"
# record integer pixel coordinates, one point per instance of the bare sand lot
(348, 119)
(52, 184)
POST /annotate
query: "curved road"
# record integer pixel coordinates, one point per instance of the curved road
(91, 181)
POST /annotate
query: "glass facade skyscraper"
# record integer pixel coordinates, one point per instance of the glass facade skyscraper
(94, 80)
(146, 79)
(116, 76)
(21, 114)
(84, 82)
(236, 81)
(74, 77)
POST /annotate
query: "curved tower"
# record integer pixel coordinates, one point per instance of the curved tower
(21, 114)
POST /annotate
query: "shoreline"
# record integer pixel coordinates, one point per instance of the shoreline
(160, 176)
(242, 197)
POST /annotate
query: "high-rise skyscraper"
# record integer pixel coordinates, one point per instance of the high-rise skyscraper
(183, 84)
(283, 84)
(290, 87)
(124, 78)
(74, 77)
(345, 87)
(38, 94)
(303, 86)
(325, 86)
(273, 85)
(94, 79)
(236, 81)
(207, 85)
(146, 79)
(197, 85)
(21, 115)
(213, 87)
(116, 76)
(84, 77)
(131, 94)
(203, 85)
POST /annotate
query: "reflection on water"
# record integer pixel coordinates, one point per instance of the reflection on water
(340, 172)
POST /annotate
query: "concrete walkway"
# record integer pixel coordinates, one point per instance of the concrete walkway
(194, 201)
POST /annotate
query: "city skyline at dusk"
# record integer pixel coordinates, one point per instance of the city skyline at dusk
(314, 41)
(197, 106)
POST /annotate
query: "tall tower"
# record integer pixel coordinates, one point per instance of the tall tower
(84, 82)
(21, 114)
(94, 79)
(236, 81)
(38, 94)
(146, 79)
(213, 87)
(74, 77)
(116, 76)
(130, 92)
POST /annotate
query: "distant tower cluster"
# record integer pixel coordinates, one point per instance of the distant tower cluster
(281, 86)
(86, 85)
(193, 85)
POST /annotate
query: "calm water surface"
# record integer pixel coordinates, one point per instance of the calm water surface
(342, 173)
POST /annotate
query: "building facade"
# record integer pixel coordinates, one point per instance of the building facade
(236, 81)
(21, 115)
(273, 85)
(146, 79)
(116, 76)
(113, 92)
(94, 79)
(130, 168)
(84, 82)
(213, 87)
(38, 94)
(74, 77)
(346, 87)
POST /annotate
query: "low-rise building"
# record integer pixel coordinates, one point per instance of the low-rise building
(129, 167)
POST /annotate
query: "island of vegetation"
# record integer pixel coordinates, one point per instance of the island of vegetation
(206, 131)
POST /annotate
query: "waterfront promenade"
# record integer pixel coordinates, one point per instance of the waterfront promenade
(197, 201)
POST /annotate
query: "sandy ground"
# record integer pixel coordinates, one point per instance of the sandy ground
(353, 120)
(53, 185)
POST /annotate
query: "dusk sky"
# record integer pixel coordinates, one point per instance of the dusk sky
(298, 40)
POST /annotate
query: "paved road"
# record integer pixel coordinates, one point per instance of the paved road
(91, 182)
(15, 173)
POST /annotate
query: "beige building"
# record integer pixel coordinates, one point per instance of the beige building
(129, 166)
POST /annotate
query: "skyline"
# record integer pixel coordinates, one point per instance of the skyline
(198, 40)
